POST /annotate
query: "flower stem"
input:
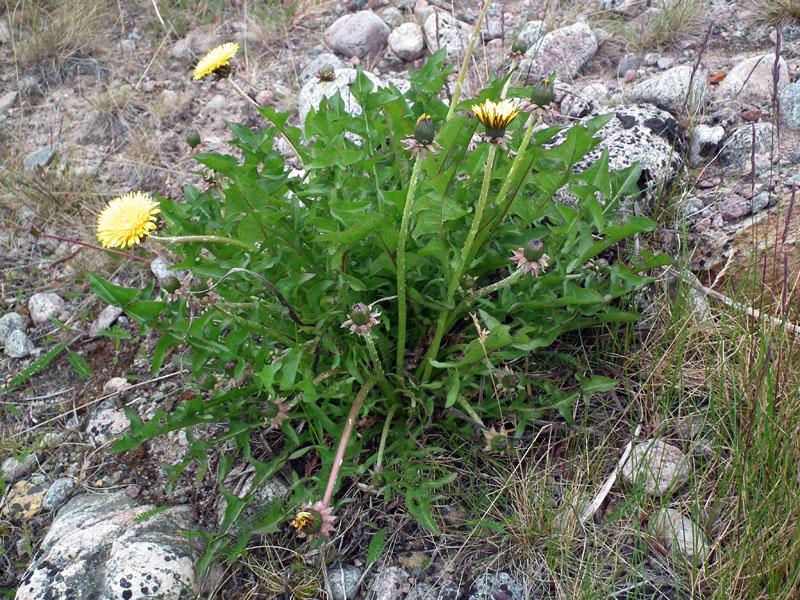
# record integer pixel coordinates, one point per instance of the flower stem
(465, 63)
(202, 239)
(401, 264)
(38, 233)
(433, 350)
(256, 105)
(501, 196)
(384, 435)
(340, 449)
(376, 361)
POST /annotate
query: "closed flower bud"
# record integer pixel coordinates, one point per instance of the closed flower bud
(533, 250)
(171, 285)
(198, 287)
(424, 132)
(542, 91)
(359, 313)
(193, 139)
(519, 46)
(509, 381)
(208, 383)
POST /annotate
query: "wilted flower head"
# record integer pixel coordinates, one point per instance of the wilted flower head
(313, 521)
(422, 140)
(281, 411)
(361, 319)
(216, 61)
(326, 73)
(531, 257)
(127, 220)
(496, 117)
(496, 441)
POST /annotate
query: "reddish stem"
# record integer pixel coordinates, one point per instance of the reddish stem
(37, 233)
(348, 429)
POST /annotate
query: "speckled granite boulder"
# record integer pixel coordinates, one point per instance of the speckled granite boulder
(96, 549)
(637, 132)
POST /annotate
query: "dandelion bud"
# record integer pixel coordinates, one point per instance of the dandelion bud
(171, 285)
(533, 250)
(326, 73)
(193, 139)
(542, 91)
(360, 313)
(424, 131)
(509, 380)
(208, 383)
(519, 46)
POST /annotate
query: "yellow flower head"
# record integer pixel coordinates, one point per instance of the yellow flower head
(127, 220)
(216, 61)
(496, 117)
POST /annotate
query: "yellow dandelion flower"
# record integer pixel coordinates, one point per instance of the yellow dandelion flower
(127, 220)
(496, 117)
(216, 61)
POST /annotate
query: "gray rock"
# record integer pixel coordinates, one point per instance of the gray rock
(314, 91)
(8, 100)
(669, 90)
(104, 320)
(12, 469)
(638, 133)
(491, 29)
(651, 59)
(30, 87)
(738, 150)
(629, 8)
(665, 62)
(105, 423)
(5, 32)
(705, 142)
(40, 158)
(790, 106)
(794, 157)
(391, 16)
(96, 548)
(588, 100)
(43, 306)
(217, 103)
(344, 581)
(627, 63)
(58, 493)
(532, 32)
(407, 42)
(442, 29)
(322, 60)
(358, 34)
(10, 322)
(680, 535)
(490, 586)
(750, 81)
(761, 201)
(565, 51)
(388, 584)
(657, 466)
(18, 345)
(160, 268)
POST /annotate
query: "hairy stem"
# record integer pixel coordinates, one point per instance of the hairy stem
(433, 350)
(340, 449)
(201, 239)
(401, 265)
(465, 63)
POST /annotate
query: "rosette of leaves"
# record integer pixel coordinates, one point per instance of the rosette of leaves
(327, 238)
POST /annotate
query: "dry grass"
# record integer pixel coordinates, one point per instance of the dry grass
(667, 24)
(59, 30)
(778, 11)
